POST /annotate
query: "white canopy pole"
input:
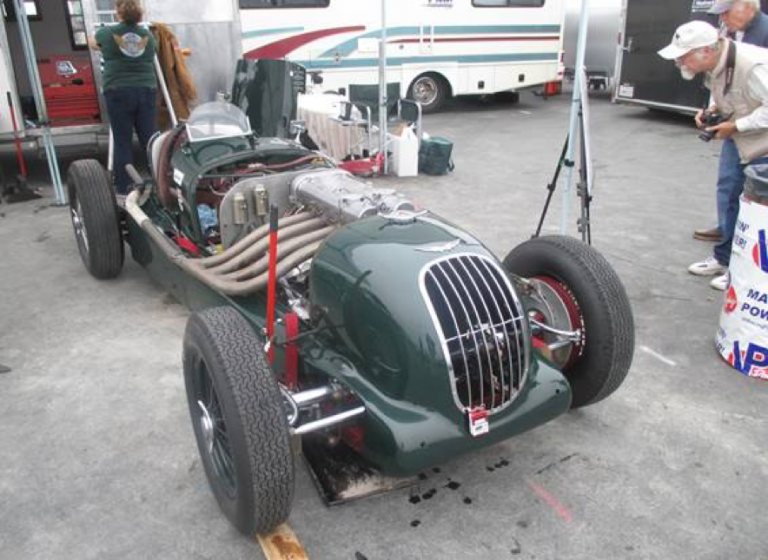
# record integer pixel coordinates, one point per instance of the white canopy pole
(576, 101)
(383, 87)
(37, 91)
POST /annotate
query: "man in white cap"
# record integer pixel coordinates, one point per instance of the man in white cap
(743, 21)
(737, 76)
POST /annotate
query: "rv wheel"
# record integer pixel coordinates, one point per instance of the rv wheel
(430, 91)
(575, 289)
(239, 421)
(95, 219)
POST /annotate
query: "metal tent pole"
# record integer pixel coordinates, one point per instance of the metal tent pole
(383, 87)
(37, 91)
(576, 101)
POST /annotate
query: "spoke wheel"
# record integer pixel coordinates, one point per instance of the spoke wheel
(557, 307)
(78, 224)
(213, 429)
(239, 420)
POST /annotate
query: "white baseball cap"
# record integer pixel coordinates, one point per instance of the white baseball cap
(689, 36)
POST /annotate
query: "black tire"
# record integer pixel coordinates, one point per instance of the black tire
(609, 331)
(254, 488)
(95, 219)
(431, 91)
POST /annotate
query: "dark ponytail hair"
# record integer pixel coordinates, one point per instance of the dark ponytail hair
(129, 11)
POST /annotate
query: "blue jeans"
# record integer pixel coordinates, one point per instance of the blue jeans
(730, 185)
(129, 108)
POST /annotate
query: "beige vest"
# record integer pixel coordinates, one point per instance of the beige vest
(739, 103)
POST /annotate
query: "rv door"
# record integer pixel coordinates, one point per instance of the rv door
(426, 39)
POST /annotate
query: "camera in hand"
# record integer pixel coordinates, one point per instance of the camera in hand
(710, 119)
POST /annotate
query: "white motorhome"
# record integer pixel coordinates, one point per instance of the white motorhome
(435, 48)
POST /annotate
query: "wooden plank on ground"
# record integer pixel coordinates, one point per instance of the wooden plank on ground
(282, 544)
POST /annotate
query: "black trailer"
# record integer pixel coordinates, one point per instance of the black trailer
(643, 77)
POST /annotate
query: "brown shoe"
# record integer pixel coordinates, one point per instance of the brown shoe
(713, 234)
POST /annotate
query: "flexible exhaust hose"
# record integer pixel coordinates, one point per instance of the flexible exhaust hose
(218, 283)
(262, 245)
(250, 239)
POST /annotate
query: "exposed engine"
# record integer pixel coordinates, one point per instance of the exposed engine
(333, 195)
(311, 206)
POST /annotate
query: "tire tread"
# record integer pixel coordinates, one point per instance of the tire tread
(618, 349)
(88, 182)
(250, 380)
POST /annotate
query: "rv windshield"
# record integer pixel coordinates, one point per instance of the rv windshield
(217, 119)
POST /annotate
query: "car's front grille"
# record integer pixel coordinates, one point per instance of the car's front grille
(483, 329)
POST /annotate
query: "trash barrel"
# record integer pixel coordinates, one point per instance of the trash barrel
(742, 337)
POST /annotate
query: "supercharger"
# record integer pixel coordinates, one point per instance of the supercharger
(342, 198)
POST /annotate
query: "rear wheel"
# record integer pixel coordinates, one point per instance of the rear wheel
(95, 218)
(239, 420)
(430, 91)
(575, 290)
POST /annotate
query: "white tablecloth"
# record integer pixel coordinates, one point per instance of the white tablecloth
(321, 114)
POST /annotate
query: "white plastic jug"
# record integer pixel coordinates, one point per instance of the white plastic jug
(405, 154)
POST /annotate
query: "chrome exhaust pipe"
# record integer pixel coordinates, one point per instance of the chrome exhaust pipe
(329, 422)
(312, 396)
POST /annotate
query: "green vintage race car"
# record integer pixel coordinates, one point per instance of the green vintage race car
(395, 333)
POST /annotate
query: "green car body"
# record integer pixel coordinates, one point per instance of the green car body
(384, 345)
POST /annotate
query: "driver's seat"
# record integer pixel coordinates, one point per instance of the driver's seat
(154, 152)
(161, 152)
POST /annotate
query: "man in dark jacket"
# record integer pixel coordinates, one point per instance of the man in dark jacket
(743, 21)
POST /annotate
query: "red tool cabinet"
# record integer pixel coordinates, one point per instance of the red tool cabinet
(69, 89)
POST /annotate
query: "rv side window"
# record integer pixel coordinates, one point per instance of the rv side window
(508, 3)
(261, 4)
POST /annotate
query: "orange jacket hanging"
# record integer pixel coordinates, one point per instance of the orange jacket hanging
(181, 87)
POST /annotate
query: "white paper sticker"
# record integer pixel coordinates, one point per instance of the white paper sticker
(626, 90)
(178, 177)
(478, 422)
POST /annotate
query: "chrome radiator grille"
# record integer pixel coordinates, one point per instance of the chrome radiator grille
(482, 328)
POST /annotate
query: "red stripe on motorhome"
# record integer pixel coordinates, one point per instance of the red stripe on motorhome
(283, 47)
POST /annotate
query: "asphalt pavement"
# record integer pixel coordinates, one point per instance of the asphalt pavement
(97, 454)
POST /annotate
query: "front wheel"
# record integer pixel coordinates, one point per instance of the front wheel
(572, 288)
(239, 421)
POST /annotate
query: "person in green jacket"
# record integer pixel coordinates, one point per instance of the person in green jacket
(129, 85)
